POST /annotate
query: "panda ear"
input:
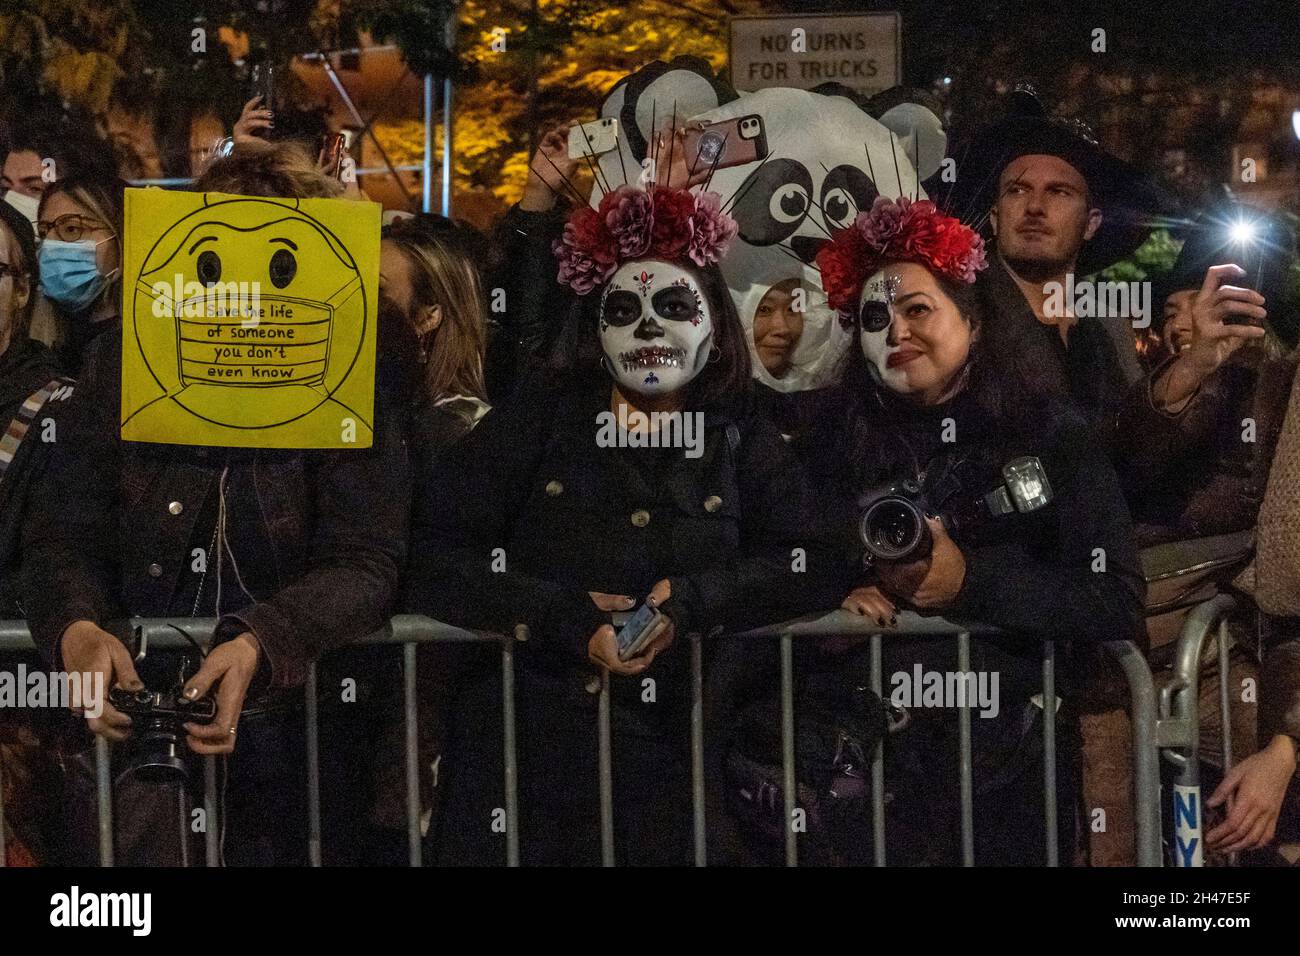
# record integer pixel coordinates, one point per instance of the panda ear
(686, 85)
(916, 118)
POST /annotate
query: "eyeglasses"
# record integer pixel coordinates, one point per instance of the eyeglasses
(69, 228)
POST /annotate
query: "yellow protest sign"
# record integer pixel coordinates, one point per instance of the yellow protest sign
(249, 322)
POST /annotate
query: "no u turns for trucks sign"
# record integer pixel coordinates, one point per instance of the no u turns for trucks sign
(862, 51)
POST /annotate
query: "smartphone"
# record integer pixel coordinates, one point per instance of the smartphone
(732, 142)
(1265, 255)
(332, 151)
(593, 139)
(264, 84)
(635, 633)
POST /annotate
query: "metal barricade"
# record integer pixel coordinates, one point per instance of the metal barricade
(1179, 723)
(412, 630)
(839, 623)
(408, 630)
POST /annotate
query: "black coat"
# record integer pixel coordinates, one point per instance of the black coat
(530, 515)
(570, 517)
(1029, 574)
(24, 370)
(1099, 370)
(320, 536)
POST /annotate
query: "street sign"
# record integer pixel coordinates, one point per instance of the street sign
(862, 51)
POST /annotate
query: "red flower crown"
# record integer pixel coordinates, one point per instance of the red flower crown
(896, 231)
(629, 223)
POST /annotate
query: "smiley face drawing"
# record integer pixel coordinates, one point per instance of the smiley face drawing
(251, 322)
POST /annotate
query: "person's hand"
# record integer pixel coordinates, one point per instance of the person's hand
(1214, 338)
(1256, 787)
(602, 649)
(251, 120)
(88, 649)
(231, 667)
(870, 601)
(932, 582)
(676, 169)
(548, 169)
(611, 602)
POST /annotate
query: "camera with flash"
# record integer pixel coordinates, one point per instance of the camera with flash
(893, 527)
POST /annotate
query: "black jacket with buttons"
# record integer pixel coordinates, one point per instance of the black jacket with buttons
(532, 515)
(319, 536)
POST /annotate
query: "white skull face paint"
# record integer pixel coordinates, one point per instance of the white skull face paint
(875, 315)
(656, 329)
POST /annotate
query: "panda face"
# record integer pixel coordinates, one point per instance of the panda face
(774, 206)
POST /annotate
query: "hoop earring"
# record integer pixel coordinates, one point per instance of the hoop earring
(715, 353)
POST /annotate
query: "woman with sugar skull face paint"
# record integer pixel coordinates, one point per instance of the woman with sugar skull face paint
(635, 473)
(918, 405)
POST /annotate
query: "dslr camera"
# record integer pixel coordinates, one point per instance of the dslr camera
(157, 719)
(893, 527)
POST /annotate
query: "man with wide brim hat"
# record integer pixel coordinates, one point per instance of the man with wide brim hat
(1058, 208)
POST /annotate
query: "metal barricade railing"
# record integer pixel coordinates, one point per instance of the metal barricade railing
(406, 629)
(1179, 722)
(412, 630)
(1126, 653)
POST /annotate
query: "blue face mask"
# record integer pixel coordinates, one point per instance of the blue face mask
(69, 273)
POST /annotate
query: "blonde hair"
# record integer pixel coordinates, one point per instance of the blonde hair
(272, 170)
(443, 273)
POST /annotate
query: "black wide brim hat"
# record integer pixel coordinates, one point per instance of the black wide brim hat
(1130, 202)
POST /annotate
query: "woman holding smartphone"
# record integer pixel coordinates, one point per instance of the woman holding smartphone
(635, 472)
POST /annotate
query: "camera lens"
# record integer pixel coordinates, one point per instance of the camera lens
(892, 529)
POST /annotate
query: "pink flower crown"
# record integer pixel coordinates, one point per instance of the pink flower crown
(896, 231)
(630, 223)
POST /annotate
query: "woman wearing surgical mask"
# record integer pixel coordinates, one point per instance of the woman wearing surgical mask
(921, 406)
(80, 227)
(571, 502)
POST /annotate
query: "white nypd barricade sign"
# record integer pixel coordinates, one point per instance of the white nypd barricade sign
(862, 51)
(1187, 826)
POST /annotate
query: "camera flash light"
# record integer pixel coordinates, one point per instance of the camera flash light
(1027, 482)
(1242, 232)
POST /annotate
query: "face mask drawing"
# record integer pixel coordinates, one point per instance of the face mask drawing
(70, 274)
(26, 205)
(250, 314)
(875, 314)
(656, 329)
